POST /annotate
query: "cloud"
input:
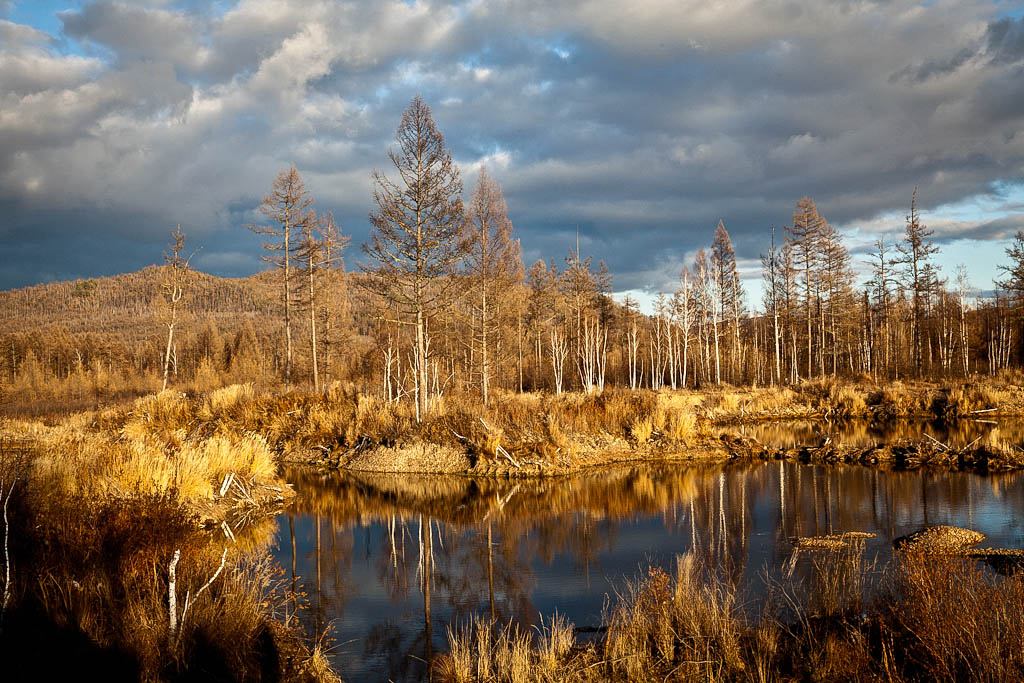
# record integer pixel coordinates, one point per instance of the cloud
(1006, 40)
(641, 124)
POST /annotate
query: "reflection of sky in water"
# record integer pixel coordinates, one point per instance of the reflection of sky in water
(562, 546)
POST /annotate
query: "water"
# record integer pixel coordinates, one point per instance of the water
(564, 545)
(863, 433)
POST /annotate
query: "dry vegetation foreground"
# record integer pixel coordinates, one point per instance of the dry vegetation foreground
(925, 617)
(143, 553)
(111, 512)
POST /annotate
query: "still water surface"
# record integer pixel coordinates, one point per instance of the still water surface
(360, 545)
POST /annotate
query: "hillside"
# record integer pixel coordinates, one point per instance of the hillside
(128, 305)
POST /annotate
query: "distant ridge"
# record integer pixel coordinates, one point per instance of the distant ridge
(131, 301)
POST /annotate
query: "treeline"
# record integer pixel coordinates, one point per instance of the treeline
(441, 302)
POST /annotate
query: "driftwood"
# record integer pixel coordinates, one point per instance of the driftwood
(832, 542)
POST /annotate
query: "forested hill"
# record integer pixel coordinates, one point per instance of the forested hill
(130, 300)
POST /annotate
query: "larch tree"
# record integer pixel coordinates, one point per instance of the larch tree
(334, 298)
(493, 264)
(804, 237)
(414, 244)
(730, 292)
(919, 275)
(836, 283)
(881, 286)
(1013, 283)
(288, 205)
(541, 284)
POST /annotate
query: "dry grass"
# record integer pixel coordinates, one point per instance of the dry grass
(952, 620)
(98, 513)
(936, 619)
(92, 579)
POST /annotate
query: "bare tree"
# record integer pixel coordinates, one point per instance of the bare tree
(773, 294)
(963, 285)
(414, 243)
(288, 205)
(172, 288)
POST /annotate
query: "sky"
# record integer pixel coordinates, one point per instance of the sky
(640, 124)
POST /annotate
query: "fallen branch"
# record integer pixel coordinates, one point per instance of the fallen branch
(228, 478)
(172, 596)
(505, 453)
(189, 601)
(944, 446)
(7, 552)
(498, 447)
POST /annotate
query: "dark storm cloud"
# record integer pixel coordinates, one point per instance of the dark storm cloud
(1006, 40)
(640, 124)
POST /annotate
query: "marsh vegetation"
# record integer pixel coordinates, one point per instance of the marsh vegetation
(543, 579)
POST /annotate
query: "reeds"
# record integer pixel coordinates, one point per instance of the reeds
(936, 619)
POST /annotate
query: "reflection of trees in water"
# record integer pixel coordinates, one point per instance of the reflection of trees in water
(456, 547)
(864, 433)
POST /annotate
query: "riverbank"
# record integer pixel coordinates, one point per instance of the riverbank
(518, 435)
(143, 553)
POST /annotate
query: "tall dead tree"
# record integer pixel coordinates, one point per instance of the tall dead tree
(172, 288)
(414, 244)
(1013, 283)
(881, 285)
(288, 205)
(774, 292)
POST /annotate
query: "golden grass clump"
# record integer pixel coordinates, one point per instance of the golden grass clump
(484, 651)
(688, 623)
(772, 401)
(730, 402)
(140, 462)
(895, 400)
(642, 429)
(955, 621)
(167, 410)
(680, 421)
(227, 398)
(554, 433)
(846, 400)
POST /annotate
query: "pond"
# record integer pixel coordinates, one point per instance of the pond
(866, 433)
(387, 562)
